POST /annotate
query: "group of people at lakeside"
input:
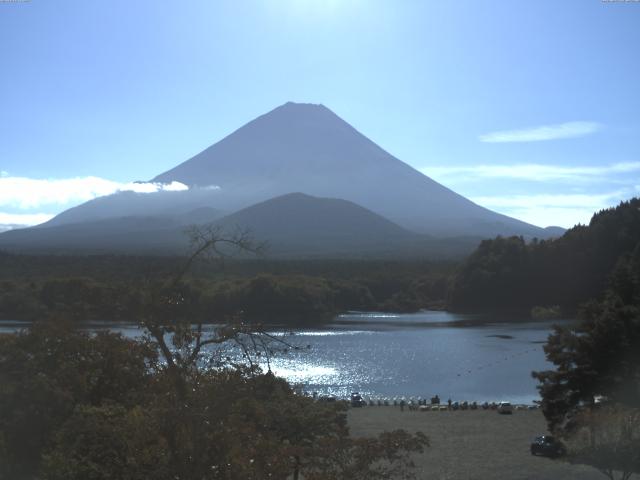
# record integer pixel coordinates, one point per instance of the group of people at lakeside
(434, 403)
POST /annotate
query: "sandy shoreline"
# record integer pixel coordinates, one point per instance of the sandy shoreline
(472, 444)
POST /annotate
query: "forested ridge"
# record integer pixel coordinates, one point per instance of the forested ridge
(511, 274)
(109, 287)
(507, 274)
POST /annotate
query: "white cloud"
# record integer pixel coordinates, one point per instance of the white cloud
(171, 187)
(544, 209)
(481, 182)
(9, 221)
(3, 173)
(28, 193)
(530, 171)
(542, 133)
(561, 200)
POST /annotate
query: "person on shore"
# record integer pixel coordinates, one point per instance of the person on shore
(402, 405)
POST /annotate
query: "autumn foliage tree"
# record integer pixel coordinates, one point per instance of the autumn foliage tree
(80, 406)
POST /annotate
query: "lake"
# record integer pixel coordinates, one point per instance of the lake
(462, 357)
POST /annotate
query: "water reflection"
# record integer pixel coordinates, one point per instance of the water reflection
(465, 357)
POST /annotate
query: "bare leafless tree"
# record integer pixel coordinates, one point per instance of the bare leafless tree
(176, 321)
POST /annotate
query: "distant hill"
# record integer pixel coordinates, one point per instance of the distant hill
(509, 274)
(307, 148)
(161, 234)
(293, 225)
(152, 235)
(299, 224)
(554, 232)
(163, 204)
(301, 220)
(9, 226)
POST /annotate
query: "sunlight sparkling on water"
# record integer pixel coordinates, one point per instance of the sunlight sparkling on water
(324, 333)
(306, 373)
(392, 355)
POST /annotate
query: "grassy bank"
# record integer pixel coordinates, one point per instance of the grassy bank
(472, 444)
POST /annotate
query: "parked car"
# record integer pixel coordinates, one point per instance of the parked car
(327, 398)
(505, 407)
(547, 446)
(357, 400)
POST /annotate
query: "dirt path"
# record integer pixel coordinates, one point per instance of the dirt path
(472, 444)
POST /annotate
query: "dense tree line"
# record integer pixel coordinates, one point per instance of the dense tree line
(282, 293)
(512, 274)
(601, 355)
(592, 397)
(109, 267)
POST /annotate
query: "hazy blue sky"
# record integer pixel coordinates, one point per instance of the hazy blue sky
(531, 108)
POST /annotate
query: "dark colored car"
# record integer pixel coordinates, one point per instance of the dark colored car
(327, 398)
(357, 400)
(547, 446)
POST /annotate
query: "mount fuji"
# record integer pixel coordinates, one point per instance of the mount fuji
(295, 148)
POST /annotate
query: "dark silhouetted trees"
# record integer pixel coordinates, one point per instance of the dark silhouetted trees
(511, 274)
(592, 397)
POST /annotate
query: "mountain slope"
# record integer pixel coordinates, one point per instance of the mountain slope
(301, 225)
(299, 222)
(292, 225)
(153, 235)
(307, 148)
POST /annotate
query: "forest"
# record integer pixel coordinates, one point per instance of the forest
(511, 274)
(505, 274)
(591, 398)
(108, 287)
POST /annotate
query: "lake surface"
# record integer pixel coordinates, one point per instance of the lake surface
(462, 357)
